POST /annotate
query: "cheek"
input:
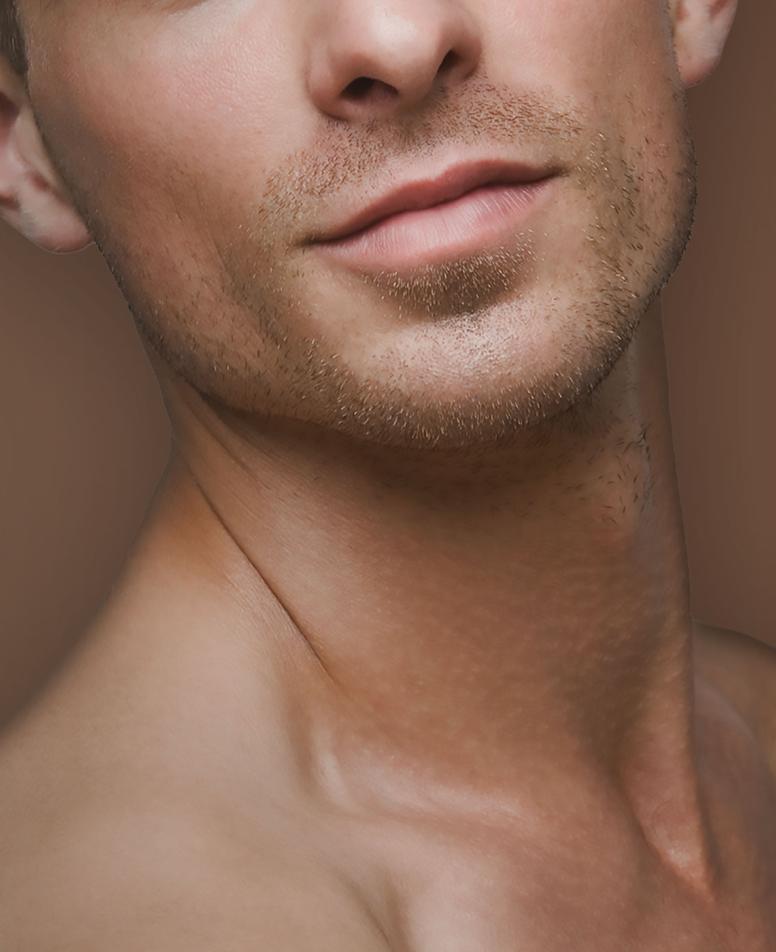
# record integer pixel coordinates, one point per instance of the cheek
(166, 168)
(159, 156)
(614, 60)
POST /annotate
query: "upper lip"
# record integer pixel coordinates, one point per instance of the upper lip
(454, 182)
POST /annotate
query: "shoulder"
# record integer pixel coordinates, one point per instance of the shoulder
(743, 670)
(88, 876)
(153, 880)
(102, 864)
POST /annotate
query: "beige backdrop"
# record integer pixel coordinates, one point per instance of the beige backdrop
(85, 437)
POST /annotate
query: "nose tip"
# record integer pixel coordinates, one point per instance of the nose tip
(370, 62)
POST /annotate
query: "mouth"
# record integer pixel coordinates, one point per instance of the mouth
(469, 207)
(427, 193)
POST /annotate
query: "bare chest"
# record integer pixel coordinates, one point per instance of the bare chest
(461, 916)
(201, 895)
(457, 902)
(458, 914)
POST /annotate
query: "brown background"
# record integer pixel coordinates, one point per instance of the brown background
(85, 436)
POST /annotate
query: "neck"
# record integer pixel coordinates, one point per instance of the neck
(488, 626)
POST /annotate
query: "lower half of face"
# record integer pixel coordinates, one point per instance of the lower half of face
(203, 197)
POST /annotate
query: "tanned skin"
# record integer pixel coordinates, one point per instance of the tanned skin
(402, 658)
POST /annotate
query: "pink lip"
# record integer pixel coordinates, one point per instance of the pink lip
(454, 182)
(408, 230)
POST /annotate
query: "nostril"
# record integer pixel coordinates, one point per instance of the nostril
(8, 109)
(362, 87)
(449, 61)
(8, 113)
(359, 87)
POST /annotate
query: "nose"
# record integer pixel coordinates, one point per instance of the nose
(373, 58)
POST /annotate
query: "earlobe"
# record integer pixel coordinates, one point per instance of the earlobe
(700, 30)
(33, 200)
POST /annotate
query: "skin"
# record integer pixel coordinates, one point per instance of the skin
(403, 656)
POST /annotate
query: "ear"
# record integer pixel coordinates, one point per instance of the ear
(700, 29)
(33, 199)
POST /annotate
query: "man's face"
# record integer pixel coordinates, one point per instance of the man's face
(206, 142)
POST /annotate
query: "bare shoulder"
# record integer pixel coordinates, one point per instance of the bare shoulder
(743, 669)
(152, 881)
(108, 868)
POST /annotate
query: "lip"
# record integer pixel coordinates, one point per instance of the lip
(427, 193)
(481, 207)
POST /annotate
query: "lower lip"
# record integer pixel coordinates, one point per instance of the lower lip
(480, 219)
